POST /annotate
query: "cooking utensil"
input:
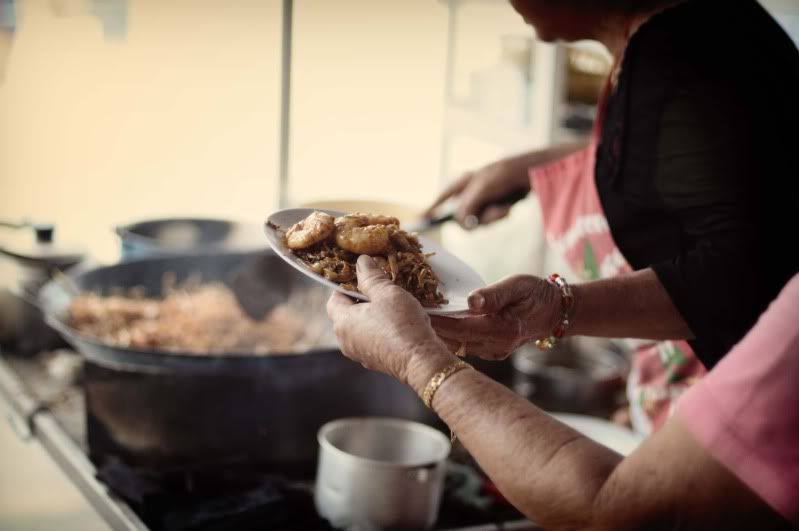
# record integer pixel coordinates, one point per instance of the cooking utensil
(38, 247)
(29, 258)
(457, 278)
(254, 284)
(377, 473)
(154, 408)
(580, 375)
(259, 286)
(179, 236)
(424, 225)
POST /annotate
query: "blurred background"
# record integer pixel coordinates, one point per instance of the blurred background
(113, 111)
(119, 110)
(116, 110)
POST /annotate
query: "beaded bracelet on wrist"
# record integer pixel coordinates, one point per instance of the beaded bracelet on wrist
(567, 305)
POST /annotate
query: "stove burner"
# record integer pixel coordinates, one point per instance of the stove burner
(206, 500)
(214, 498)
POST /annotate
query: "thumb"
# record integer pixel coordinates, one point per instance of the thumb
(495, 297)
(371, 279)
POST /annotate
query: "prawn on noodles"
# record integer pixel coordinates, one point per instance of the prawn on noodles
(332, 253)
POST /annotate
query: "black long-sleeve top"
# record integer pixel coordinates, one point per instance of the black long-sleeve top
(698, 165)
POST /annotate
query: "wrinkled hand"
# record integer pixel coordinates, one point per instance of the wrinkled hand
(503, 317)
(477, 190)
(391, 333)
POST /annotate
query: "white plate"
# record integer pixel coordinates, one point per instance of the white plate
(457, 278)
(602, 431)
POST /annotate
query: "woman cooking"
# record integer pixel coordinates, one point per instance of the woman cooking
(684, 199)
(678, 213)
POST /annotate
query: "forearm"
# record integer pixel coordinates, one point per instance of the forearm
(550, 154)
(564, 481)
(519, 165)
(631, 305)
(547, 470)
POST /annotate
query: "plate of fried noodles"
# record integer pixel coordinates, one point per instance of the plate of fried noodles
(326, 244)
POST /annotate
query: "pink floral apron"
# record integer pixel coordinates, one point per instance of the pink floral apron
(575, 225)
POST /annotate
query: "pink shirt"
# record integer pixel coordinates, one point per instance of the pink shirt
(745, 412)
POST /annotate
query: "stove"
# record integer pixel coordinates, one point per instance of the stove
(48, 404)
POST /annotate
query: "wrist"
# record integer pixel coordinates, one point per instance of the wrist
(426, 360)
(554, 308)
(559, 299)
(579, 298)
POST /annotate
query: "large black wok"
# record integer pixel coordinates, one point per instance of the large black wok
(154, 408)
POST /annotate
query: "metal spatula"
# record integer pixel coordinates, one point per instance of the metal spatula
(260, 284)
(424, 225)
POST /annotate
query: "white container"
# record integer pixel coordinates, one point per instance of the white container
(380, 474)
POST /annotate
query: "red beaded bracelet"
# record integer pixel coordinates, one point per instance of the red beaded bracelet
(567, 304)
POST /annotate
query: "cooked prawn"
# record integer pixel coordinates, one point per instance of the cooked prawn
(364, 233)
(397, 253)
(314, 229)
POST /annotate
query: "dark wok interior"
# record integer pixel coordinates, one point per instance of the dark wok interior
(147, 275)
(183, 233)
(153, 408)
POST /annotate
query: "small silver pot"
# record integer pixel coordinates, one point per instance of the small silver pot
(380, 473)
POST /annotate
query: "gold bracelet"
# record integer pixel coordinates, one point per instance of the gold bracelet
(439, 378)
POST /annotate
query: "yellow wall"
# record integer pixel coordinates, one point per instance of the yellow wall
(182, 116)
(368, 99)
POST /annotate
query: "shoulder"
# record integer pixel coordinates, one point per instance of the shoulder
(678, 86)
(717, 39)
(676, 44)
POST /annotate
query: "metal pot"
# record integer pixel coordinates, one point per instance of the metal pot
(29, 258)
(580, 375)
(178, 236)
(155, 408)
(377, 474)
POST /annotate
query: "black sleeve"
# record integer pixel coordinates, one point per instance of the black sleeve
(697, 168)
(703, 174)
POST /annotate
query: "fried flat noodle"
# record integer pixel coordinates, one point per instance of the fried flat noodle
(404, 262)
(195, 318)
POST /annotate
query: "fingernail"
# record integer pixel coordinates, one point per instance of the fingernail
(365, 262)
(476, 301)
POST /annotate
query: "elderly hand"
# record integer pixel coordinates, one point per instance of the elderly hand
(503, 316)
(391, 333)
(478, 192)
